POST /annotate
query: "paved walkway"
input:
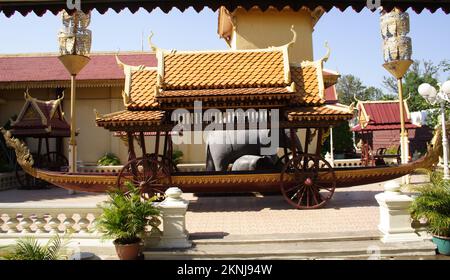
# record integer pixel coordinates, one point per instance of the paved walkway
(351, 209)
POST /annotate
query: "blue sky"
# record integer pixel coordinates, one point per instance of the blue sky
(354, 38)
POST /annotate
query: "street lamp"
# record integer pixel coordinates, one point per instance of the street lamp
(74, 47)
(432, 96)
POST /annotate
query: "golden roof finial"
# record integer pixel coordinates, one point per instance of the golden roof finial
(327, 55)
(152, 46)
(294, 37)
(119, 62)
(126, 99)
(27, 95)
(97, 114)
(62, 96)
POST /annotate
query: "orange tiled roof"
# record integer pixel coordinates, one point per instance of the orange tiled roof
(224, 69)
(306, 84)
(142, 89)
(217, 77)
(324, 112)
(125, 118)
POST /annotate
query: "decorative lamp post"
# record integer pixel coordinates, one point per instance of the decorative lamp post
(432, 96)
(74, 47)
(397, 51)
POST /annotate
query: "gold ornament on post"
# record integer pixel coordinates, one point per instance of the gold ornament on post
(74, 47)
(397, 50)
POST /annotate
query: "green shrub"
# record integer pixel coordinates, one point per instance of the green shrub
(177, 156)
(392, 150)
(433, 204)
(126, 215)
(108, 159)
(29, 249)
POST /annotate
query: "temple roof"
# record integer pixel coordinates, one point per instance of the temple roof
(325, 112)
(133, 118)
(40, 7)
(381, 115)
(230, 78)
(46, 71)
(41, 118)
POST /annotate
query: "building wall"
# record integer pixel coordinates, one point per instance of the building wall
(93, 142)
(257, 29)
(418, 138)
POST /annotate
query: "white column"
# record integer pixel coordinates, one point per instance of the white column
(444, 142)
(395, 219)
(173, 210)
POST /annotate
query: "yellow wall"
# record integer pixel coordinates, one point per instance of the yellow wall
(92, 141)
(257, 29)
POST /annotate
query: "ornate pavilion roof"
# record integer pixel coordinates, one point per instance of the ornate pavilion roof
(257, 79)
(381, 115)
(224, 79)
(39, 118)
(40, 7)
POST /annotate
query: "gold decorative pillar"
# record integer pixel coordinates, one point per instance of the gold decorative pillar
(74, 46)
(397, 56)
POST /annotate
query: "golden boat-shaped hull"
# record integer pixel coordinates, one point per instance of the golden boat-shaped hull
(226, 182)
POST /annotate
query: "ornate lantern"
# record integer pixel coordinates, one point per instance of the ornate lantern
(74, 38)
(394, 30)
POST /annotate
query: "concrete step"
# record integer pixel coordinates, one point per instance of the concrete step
(305, 246)
(217, 238)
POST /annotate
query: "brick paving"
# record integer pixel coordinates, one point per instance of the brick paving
(351, 209)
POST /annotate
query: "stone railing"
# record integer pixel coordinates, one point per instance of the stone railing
(184, 167)
(17, 220)
(191, 167)
(46, 220)
(356, 162)
(99, 169)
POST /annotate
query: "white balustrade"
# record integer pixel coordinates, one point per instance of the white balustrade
(19, 220)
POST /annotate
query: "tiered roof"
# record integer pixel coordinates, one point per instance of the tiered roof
(40, 119)
(231, 79)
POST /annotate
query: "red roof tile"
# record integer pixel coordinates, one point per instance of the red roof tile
(381, 115)
(384, 112)
(49, 68)
(357, 128)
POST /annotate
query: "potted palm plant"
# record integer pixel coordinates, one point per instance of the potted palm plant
(433, 204)
(125, 218)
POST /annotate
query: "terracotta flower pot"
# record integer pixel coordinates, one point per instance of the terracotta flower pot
(128, 251)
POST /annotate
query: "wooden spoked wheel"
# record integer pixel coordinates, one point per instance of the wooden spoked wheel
(166, 160)
(307, 181)
(53, 161)
(150, 175)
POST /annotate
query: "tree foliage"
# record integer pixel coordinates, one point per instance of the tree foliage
(419, 72)
(342, 140)
(350, 86)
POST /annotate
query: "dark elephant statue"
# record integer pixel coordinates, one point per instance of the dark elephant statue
(224, 147)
